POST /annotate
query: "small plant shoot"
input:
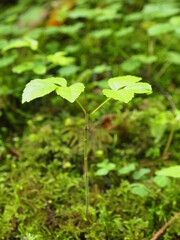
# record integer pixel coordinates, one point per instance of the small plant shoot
(121, 89)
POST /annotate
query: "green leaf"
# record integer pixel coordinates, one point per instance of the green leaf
(39, 69)
(161, 181)
(60, 59)
(36, 67)
(121, 95)
(71, 29)
(175, 21)
(7, 60)
(130, 65)
(173, 172)
(131, 86)
(58, 80)
(41, 87)
(119, 82)
(173, 57)
(140, 88)
(72, 92)
(101, 33)
(144, 59)
(158, 126)
(159, 29)
(109, 13)
(105, 167)
(159, 10)
(19, 43)
(127, 169)
(68, 70)
(139, 189)
(141, 173)
(124, 31)
(82, 13)
(101, 69)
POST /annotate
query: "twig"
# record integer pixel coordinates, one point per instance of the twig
(163, 229)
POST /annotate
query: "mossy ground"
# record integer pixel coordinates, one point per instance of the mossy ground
(42, 185)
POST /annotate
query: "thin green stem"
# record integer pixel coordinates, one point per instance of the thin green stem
(163, 70)
(86, 174)
(95, 110)
(170, 138)
(81, 106)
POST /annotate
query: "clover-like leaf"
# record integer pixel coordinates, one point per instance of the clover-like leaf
(37, 67)
(72, 92)
(105, 167)
(121, 95)
(127, 169)
(119, 82)
(124, 88)
(139, 189)
(140, 88)
(40, 87)
(60, 59)
(19, 43)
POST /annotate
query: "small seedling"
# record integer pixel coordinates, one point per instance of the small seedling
(122, 89)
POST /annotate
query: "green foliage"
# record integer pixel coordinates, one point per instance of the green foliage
(159, 29)
(173, 172)
(72, 92)
(127, 169)
(39, 88)
(20, 43)
(41, 185)
(139, 189)
(161, 181)
(105, 167)
(141, 173)
(59, 58)
(131, 86)
(37, 67)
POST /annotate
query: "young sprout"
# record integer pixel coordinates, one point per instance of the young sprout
(121, 88)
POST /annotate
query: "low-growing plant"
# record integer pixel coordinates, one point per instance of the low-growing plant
(121, 88)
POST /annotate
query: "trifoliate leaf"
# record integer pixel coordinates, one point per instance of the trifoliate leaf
(72, 92)
(124, 88)
(41, 87)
